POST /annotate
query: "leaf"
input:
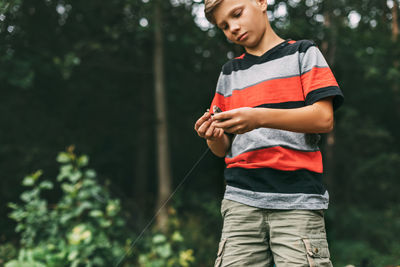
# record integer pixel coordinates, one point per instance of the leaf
(13, 263)
(159, 238)
(75, 263)
(164, 251)
(63, 157)
(12, 205)
(68, 188)
(112, 208)
(64, 172)
(72, 255)
(83, 161)
(75, 176)
(96, 213)
(98, 261)
(90, 173)
(177, 237)
(65, 217)
(83, 206)
(46, 185)
(185, 257)
(105, 223)
(28, 195)
(28, 181)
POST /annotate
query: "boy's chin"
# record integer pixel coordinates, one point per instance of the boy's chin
(247, 44)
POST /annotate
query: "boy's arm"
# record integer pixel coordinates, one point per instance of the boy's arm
(219, 146)
(315, 118)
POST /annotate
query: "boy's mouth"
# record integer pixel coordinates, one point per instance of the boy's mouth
(242, 36)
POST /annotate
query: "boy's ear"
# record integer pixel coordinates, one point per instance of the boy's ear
(263, 4)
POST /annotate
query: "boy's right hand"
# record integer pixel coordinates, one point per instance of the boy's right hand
(205, 128)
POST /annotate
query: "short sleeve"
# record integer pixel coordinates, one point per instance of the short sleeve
(317, 78)
(219, 99)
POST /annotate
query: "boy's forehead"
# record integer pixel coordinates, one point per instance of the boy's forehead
(225, 7)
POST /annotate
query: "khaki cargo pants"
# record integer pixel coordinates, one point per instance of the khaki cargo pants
(255, 237)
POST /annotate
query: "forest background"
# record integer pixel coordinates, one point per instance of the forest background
(79, 77)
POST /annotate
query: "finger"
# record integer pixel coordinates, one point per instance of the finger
(210, 131)
(233, 130)
(222, 116)
(237, 130)
(224, 124)
(203, 128)
(206, 116)
(219, 133)
(202, 119)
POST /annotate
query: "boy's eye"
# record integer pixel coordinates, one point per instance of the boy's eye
(237, 13)
(224, 27)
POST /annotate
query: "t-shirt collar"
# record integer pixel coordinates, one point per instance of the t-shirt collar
(270, 51)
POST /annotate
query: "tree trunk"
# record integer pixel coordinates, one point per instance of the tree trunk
(395, 23)
(163, 165)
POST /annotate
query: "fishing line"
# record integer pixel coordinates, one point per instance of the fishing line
(162, 206)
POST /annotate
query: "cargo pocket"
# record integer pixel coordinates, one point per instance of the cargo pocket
(317, 252)
(220, 253)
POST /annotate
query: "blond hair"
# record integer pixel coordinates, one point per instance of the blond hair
(209, 7)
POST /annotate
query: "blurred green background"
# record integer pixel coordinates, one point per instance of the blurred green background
(77, 83)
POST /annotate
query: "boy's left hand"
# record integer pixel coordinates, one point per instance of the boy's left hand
(236, 121)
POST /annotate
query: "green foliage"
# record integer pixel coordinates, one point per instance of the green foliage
(66, 64)
(84, 227)
(167, 249)
(201, 223)
(7, 252)
(363, 235)
(25, 259)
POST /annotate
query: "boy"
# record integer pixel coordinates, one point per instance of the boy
(274, 99)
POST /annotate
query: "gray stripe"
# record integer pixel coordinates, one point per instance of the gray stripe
(312, 58)
(283, 67)
(249, 85)
(267, 137)
(277, 200)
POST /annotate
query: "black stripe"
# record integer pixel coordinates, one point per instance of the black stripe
(275, 181)
(284, 49)
(324, 92)
(283, 105)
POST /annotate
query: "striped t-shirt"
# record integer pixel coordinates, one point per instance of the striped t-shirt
(271, 168)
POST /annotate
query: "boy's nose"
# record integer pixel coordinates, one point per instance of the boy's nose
(235, 28)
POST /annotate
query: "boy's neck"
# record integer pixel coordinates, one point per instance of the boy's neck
(269, 40)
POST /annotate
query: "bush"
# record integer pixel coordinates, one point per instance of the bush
(83, 228)
(166, 249)
(7, 252)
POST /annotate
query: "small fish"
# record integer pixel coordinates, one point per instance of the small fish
(216, 109)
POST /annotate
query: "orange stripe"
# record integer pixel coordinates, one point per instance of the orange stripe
(272, 91)
(219, 101)
(317, 78)
(292, 42)
(278, 158)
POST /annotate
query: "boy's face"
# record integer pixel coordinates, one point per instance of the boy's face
(243, 22)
